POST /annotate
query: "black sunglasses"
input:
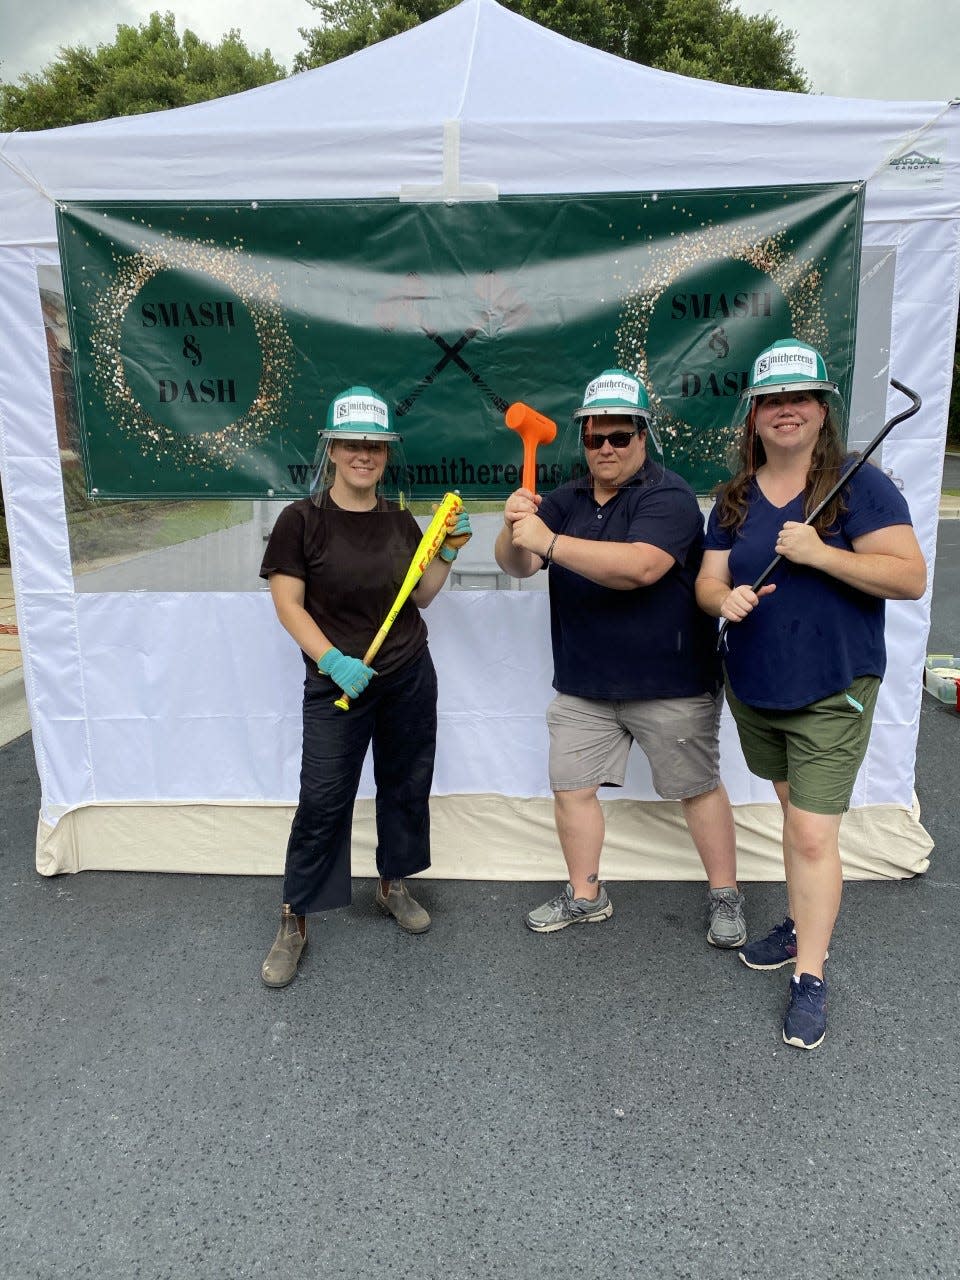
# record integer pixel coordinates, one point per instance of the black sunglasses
(619, 439)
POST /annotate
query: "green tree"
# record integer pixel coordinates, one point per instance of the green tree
(708, 39)
(147, 68)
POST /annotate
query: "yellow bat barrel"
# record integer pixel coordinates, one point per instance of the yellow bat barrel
(431, 542)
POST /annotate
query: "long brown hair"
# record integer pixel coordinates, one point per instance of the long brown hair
(826, 466)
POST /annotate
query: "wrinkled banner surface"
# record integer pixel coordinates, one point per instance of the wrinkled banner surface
(210, 337)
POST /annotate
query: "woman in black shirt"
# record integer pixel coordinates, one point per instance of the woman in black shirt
(335, 562)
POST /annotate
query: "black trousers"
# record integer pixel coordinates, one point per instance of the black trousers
(398, 714)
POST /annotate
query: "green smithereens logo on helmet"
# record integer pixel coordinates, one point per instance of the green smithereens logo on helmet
(789, 366)
(789, 362)
(614, 392)
(794, 361)
(613, 386)
(362, 412)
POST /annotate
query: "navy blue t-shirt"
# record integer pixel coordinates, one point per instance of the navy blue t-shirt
(814, 635)
(648, 642)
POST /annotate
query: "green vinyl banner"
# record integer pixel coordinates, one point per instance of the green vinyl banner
(209, 338)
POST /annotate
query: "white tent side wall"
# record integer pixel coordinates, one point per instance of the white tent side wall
(187, 704)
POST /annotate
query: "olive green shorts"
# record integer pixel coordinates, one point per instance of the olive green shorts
(816, 749)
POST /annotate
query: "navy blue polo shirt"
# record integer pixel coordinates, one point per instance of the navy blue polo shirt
(814, 635)
(648, 642)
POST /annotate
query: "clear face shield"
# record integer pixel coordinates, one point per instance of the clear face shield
(608, 445)
(826, 392)
(743, 445)
(357, 471)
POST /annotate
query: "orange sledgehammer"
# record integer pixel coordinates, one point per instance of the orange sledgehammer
(533, 428)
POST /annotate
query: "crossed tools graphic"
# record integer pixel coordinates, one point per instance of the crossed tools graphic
(501, 307)
(451, 354)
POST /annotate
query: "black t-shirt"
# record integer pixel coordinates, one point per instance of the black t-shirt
(352, 563)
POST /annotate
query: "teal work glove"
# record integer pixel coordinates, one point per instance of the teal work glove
(349, 673)
(459, 535)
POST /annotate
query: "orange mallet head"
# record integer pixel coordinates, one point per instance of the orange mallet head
(533, 428)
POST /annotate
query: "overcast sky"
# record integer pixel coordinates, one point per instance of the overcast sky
(851, 48)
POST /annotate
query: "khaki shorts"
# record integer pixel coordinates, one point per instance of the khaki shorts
(590, 741)
(817, 749)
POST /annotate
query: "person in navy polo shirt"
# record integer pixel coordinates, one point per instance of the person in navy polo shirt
(804, 654)
(634, 658)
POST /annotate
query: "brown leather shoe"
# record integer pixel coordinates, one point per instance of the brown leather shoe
(280, 966)
(398, 903)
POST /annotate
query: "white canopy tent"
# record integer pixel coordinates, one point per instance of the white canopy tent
(187, 703)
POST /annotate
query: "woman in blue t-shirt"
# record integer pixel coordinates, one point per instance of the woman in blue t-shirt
(805, 654)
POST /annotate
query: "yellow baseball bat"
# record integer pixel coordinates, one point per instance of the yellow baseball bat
(429, 545)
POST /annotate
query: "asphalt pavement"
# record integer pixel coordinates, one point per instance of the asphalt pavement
(951, 472)
(480, 1101)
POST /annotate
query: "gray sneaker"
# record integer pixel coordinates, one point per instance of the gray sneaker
(727, 928)
(565, 909)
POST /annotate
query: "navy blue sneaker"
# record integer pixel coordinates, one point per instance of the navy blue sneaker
(806, 1022)
(778, 948)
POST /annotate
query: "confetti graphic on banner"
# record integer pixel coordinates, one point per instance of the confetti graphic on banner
(685, 279)
(256, 292)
